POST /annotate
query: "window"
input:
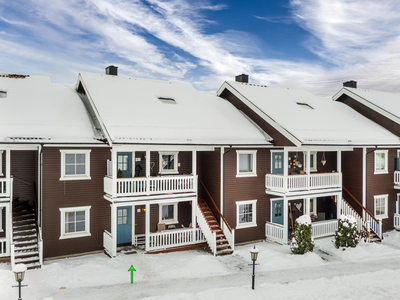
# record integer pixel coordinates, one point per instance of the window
(123, 161)
(313, 161)
(381, 206)
(381, 161)
(278, 210)
(122, 216)
(168, 213)
(313, 206)
(3, 94)
(75, 222)
(1, 163)
(167, 100)
(305, 105)
(168, 162)
(246, 163)
(246, 214)
(75, 164)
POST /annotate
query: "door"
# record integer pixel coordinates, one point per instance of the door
(277, 212)
(277, 163)
(124, 163)
(124, 225)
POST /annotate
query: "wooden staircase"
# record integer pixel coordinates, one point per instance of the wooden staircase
(222, 244)
(25, 235)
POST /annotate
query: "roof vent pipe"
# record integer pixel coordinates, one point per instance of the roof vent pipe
(242, 78)
(350, 83)
(112, 70)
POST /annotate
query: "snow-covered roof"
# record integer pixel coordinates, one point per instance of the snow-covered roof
(388, 104)
(33, 110)
(144, 111)
(308, 119)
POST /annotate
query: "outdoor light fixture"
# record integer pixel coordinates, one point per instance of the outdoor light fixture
(143, 209)
(254, 254)
(19, 272)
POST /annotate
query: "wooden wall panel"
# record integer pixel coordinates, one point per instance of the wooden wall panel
(24, 172)
(352, 176)
(74, 193)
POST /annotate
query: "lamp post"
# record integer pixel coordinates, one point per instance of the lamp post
(19, 272)
(254, 254)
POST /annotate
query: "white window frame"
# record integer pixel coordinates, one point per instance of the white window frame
(385, 198)
(313, 209)
(87, 165)
(67, 235)
(246, 174)
(397, 203)
(1, 219)
(1, 163)
(171, 171)
(385, 170)
(254, 214)
(170, 221)
(313, 158)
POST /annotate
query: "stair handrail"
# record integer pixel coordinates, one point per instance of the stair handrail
(358, 202)
(216, 207)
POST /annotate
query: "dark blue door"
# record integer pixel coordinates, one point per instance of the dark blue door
(277, 212)
(277, 163)
(124, 163)
(124, 224)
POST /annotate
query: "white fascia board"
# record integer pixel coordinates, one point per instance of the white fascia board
(128, 148)
(103, 127)
(260, 113)
(367, 103)
(320, 148)
(19, 146)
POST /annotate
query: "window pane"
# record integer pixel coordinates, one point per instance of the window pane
(70, 227)
(80, 215)
(168, 162)
(167, 212)
(80, 169)
(80, 226)
(311, 161)
(80, 158)
(70, 216)
(245, 162)
(70, 170)
(380, 161)
(69, 158)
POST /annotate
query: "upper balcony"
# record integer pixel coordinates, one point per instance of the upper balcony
(304, 171)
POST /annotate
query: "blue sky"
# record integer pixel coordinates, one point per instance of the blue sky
(311, 44)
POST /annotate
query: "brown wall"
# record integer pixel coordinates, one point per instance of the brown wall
(24, 172)
(247, 188)
(74, 193)
(371, 114)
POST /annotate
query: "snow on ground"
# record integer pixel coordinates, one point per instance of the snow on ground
(369, 271)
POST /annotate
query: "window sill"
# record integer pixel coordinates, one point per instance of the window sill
(75, 178)
(381, 172)
(169, 172)
(74, 235)
(246, 225)
(381, 217)
(246, 175)
(169, 222)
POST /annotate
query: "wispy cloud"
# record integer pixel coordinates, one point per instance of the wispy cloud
(168, 40)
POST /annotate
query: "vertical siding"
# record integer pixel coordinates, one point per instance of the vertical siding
(74, 193)
(352, 176)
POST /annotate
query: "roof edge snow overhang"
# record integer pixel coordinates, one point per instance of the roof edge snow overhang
(296, 141)
(92, 103)
(373, 106)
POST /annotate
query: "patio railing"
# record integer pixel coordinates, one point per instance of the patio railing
(3, 187)
(396, 220)
(290, 183)
(324, 228)
(138, 186)
(109, 244)
(397, 177)
(175, 238)
(275, 233)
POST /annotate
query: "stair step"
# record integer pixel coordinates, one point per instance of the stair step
(23, 216)
(25, 221)
(26, 260)
(26, 247)
(24, 231)
(224, 252)
(223, 240)
(26, 236)
(223, 246)
(34, 265)
(26, 242)
(26, 253)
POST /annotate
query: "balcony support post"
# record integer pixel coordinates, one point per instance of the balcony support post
(148, 171)
(285, 168)
(114, 172)
(308, 163)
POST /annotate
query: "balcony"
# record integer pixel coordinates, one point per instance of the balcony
(296, 183)
(145, 186)
(397, 178)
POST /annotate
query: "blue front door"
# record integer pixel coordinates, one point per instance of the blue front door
(124, 225)
(124, 163)
(277, 163)
(277, 212)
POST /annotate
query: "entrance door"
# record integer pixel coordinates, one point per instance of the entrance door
(124, 163)
(277, 163)
(124, 225)
(277, 212)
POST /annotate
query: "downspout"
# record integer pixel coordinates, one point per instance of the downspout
(223, 179)
(40, 185)
(366, 178)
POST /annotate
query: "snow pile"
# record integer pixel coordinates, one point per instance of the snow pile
(304, 220)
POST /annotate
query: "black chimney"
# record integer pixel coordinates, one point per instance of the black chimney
(112, 70)
(351, 83)
(242, 78)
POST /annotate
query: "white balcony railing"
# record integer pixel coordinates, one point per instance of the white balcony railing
(275, 233)
(324, 228)
(397, 177)
(138, 186)
(396, 221)
(175, 238)
(109, 244)
(290, 183)
(3, 187)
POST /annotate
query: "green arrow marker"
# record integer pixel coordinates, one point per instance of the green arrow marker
(132, 269)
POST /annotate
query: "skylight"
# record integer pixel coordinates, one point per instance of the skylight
(305, 105)
(3, 94)
(167, 100)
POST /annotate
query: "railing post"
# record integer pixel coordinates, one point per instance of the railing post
(368, 229)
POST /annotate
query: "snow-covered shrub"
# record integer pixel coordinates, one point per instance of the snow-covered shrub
(346, 234)
(302, 240)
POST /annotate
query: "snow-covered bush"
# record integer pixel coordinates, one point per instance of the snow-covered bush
(302, 240)
(346, 234)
